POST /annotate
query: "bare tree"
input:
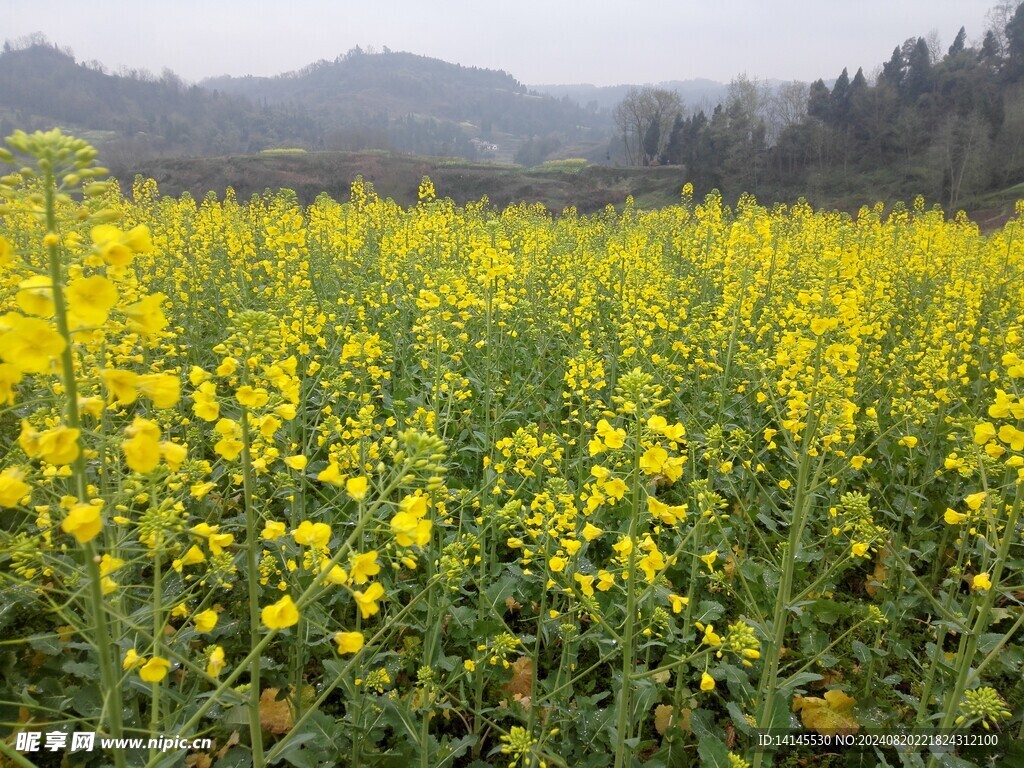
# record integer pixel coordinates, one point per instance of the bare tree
(998, 17)
(934, 43)
(643, 119)
(787, 106)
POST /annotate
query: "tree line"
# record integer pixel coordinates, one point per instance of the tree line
(944, 122)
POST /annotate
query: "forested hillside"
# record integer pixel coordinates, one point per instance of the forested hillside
(392, 101)
(946, 123)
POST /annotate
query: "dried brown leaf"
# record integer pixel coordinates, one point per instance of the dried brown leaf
(233, 739)
(832, 715)
(663, 718)
(521, 684)
(198, 760)
(880, 575)
(275, 713)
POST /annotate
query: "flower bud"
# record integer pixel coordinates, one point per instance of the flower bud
(106, 215)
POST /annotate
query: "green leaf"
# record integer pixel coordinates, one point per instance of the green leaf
(949, 760)
(798, 680)
(713, 752)
(448, 752)
(709, 611)
(861, 651)
(702, 723)
(300, 758)
(739, 718)
(48, 644)
(83, 669)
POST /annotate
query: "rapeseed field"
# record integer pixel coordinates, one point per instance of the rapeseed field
(357, 484)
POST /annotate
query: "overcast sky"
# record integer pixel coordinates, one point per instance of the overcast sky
(604, 42)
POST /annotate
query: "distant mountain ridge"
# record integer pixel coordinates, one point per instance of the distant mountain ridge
(43, 85)
(696, 92)
(395, 101)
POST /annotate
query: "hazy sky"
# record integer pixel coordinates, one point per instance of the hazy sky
(604, 42)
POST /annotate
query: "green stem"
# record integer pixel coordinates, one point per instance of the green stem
(16, 758)
(105, 649)
(801, 505)
(980, 624)
(940, 639)
(154, 714)
(1000, 645)
(429, 654)
(623, 723)
(252, 577)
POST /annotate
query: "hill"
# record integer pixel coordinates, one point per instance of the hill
(394, 101)
(418, 104)
(133, 113)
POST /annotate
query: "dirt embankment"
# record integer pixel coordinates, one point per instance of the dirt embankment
(398, 177)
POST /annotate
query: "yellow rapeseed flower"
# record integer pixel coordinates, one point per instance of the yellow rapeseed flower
(364, 566)
(121, 385)
(83, 521)
(216, 663)
(12, 487)
(193, 556)
(315, 535)
(252, 398)
(368, 600)
(273, 530)
(132, 660)
(952, 517)
(9, 377)
(35, 296)
(30, 344)
(205, 621)
(58, 446)
(163, 389)
(605, 580)
(147, 316)
(155, 670)
(1012, 436)
(586, 583)
(653, 460)
(280, 615)
(142, 448)
(297, 462)
(90, 300)
(678, 602)
(975, 500)
(356, 487)
(349, 642)
(984, 432)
